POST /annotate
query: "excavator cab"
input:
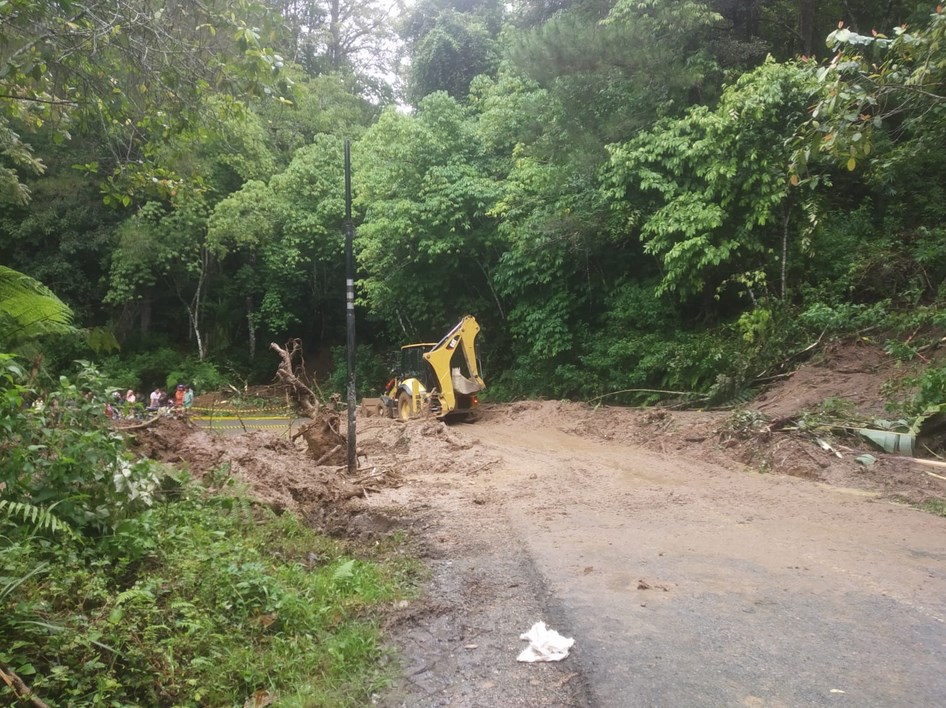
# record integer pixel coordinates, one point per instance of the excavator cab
(439, 380)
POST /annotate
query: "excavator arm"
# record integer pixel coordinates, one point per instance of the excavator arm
(458, 380)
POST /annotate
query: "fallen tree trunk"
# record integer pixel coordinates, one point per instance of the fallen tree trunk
(304, 396)
(322, 436)
(19, 688)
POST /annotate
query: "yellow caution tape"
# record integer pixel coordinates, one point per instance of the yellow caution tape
(247, 417)
(224, 410)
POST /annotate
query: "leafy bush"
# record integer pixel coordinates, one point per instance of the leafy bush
(141, 371)
(202, 375)
(57, 450)
(161, 367)
(930, 392)
(843, 318)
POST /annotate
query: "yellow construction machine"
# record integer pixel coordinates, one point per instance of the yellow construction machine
(437, 380)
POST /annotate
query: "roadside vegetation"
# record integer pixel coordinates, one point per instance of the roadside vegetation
(126, 582)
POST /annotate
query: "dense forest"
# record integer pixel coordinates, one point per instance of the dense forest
(633, 194)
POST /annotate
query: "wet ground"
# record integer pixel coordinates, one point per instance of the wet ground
(683, 583)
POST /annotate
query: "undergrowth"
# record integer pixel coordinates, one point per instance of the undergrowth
(198, 601)
(113, 593)
(935, 506)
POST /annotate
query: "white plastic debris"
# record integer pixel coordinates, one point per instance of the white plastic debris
(544, 644)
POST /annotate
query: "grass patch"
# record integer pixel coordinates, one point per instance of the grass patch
(199, 601)
(934, 506)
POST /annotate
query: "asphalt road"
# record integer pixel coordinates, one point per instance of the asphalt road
(703, 587)
(683, 584)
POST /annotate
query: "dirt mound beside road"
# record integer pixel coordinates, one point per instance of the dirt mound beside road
(765, 436)
(274, 470)
(845, 384)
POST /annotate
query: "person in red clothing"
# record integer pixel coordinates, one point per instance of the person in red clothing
(179, 396)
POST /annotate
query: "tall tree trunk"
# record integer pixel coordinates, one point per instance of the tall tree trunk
(197, 301)
(806, 26)
(334, 31)
(145, 315)
(251, 325)
(193, 316)
(785, 251)
(193, 306)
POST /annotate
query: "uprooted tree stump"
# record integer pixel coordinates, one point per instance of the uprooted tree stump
(325, 443)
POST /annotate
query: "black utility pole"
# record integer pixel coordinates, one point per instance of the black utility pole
(350, 303)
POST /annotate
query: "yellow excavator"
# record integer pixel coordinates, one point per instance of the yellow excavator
(437, 380)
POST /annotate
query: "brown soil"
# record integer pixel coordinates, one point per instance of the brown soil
(850, 377)
(847, 378)
(275, 471)
(493, 507)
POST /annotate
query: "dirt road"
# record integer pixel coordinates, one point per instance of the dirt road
(683, 583)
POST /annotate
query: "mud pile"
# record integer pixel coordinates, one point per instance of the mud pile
(285, 475)
(768, 434)
(418, 446)
(274, 470)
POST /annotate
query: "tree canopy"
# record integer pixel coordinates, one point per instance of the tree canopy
(627, 194)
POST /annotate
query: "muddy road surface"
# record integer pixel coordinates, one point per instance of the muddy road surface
(683, 583)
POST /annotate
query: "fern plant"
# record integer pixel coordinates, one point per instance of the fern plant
(41, 519)
(28, 309)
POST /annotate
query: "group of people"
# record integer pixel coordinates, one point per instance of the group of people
(128, 405)
(183, 397)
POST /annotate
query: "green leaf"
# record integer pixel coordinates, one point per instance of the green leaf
(345, 570)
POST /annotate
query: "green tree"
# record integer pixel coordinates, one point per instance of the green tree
(709, 193)
(134, 72)
(449, 44)
(162, 253)
(284, 242)
(896, 86)
(427, 241)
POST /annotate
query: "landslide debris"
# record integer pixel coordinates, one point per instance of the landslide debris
(275, 472)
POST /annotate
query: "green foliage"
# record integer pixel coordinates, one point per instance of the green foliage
(875, 84)
(585, 183)
(427, 231)
(141, 370)
(844, 318)
(930, 392)
(606, 91)
(132, 74)
(708, 193)
(58, 451)
(371, 372)
(284, 240)
(935, 506)
(37, 518)
(202, 375)
(28, 309)
(227, 600)
(454, 49)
